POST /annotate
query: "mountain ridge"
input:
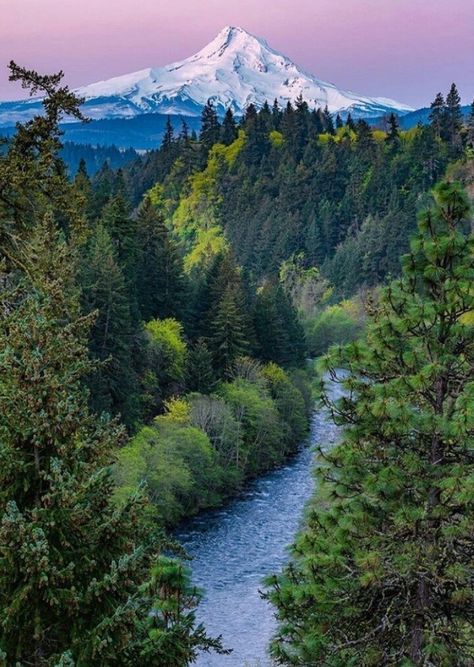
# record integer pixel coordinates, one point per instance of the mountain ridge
(234, 70)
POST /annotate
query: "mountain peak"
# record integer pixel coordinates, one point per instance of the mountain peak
(234, 70)
(231, 39)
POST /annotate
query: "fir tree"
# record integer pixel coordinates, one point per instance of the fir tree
(210, 128)
(229, 128)
(453, 121)
(114, 384)
(382, 574)
(75, 585)
(160, 279)
(350, 122)
(200, 371)
(437, 114)
(168, 137)
(393, 134)
(276, 115)
(339, 122)
(122, 229)
(228, 339)
(328, 121)
(470, 127)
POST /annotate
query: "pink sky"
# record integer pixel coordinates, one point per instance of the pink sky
(405, 49)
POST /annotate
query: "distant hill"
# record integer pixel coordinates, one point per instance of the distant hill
(143, 132)
(413, 118)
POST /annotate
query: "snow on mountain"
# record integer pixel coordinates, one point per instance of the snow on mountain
(234, 70)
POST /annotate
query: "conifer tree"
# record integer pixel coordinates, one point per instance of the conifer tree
(32, 158)
(437, 114)
(75, 584)
(350, 122)
(339, 122)
(122, 229)
(160, 279)
(393, 134)
(328, 121)
(114, 384)
(210, 128)
(470, 127)
(453, 121)
(228, 339)
(168, 137)
(276, 115)
(200, 372)
(229, 128)
(383, 572)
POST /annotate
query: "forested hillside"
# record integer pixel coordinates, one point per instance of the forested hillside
(155, 326)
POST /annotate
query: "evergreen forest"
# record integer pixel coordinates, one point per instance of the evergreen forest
(160, 315)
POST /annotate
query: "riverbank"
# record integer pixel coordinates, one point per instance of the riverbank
(206, 448)
(235, 547)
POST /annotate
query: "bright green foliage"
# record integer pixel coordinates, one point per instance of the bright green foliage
(177, 462)
(166, 356)
(215, 418)
(382, 574)
(334, 325)
(259, 425)
(290, 404)
(74, 567)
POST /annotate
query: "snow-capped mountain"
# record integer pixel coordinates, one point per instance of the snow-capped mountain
(234, 70)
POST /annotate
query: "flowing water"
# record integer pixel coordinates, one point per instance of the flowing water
(233, 548)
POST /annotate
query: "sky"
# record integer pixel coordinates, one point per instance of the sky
(404, 49)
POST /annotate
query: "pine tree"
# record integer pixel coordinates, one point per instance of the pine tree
(229, 128)
(328, 121)
(393, 134)
(32, 176)
(75, 585)
(200, 371)
(339, 122)
(350, 122)
(210, 128)
(168, 137)
(470, 127)
(453, 121)
(437, 114)
(160, 279)
(382, 574)
(114, 385)
(122, 229)
(276, 115)
(228, 339)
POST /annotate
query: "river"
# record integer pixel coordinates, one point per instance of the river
(233, 548)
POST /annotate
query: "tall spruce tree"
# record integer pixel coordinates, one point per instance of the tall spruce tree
(210, 129)
(453, 121)
(383, 573)
(114, 384)
(229, 128)
(75, 581)
(393, 132)
(160, 279)
(470, 127)
(228, 339)
(438, 114)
